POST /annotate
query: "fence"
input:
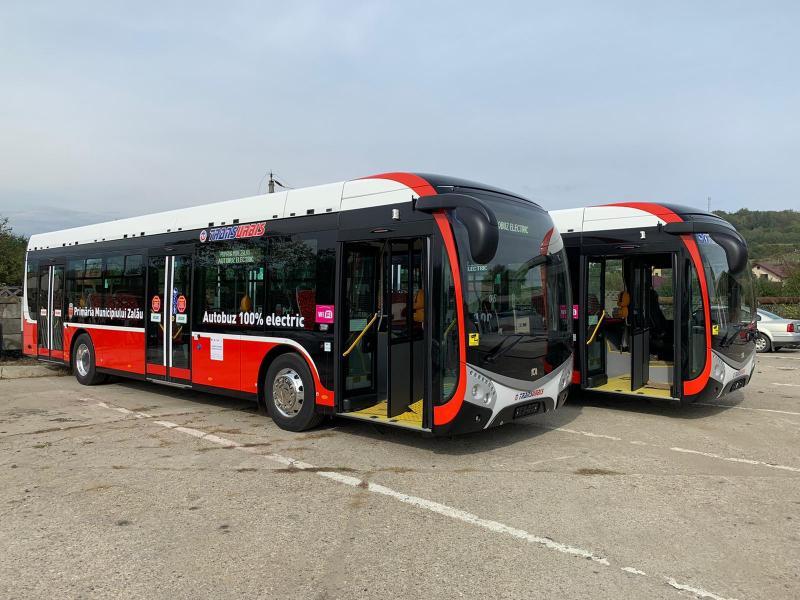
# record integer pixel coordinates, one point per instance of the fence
(10, 321)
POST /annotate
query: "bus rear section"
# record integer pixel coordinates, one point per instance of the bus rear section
(416, 301)
(664, 304)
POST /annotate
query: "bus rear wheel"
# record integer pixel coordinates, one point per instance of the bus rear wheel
(289, 393)
(83, 362)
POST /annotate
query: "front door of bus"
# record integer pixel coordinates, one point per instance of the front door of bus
(639, 323)
(50, 317)
(383, 333)
(169, 318)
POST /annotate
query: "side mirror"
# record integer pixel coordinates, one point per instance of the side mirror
(478, 219)
(483, 236)
(758, 317)
(734, 250)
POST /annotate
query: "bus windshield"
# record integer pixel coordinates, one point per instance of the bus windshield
(732, 302)
(519, 302)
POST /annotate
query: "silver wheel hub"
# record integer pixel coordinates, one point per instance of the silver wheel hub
(288, 392)
(761, 343)
(83, 360)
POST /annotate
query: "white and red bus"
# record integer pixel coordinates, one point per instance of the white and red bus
(417, 301)
(664, 301)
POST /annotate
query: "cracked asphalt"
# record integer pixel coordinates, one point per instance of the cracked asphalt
(131, 490)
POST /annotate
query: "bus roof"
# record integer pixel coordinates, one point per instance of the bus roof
(370, 191)
(625, 215)
(393, 188)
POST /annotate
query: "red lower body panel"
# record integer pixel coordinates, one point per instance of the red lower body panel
(29, 333)
(121, 350)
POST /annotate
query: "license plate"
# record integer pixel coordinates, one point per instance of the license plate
(527, 409)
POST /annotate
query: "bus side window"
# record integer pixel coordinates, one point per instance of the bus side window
(229, 280)
(33, 289)
(292, 266)
(85, 287)
(446, 334)
(694, 342)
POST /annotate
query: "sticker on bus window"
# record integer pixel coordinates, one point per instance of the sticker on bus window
(474, 339)
(574, 311)
(182, 319)
(522, 325)
(715, 330)
(155, 304)
(324, 313)
(155, 317)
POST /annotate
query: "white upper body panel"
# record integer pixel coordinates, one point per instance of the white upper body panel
(603, 218)
(332, 197)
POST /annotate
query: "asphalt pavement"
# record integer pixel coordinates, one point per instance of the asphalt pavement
(132, 490)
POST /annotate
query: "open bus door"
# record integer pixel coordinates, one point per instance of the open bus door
(639, 275)
(383, 332)
(592, 316)
(630, 335)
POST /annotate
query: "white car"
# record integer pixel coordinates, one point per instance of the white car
(774, 332)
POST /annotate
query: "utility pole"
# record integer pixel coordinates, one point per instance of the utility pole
(271, 186)
(709, 200)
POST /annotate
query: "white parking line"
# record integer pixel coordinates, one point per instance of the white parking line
(739, 460)
(788, 384)
(417, 502)
(697, 592)
(769, 410)
(684, 450)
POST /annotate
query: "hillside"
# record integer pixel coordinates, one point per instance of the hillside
(769, 233)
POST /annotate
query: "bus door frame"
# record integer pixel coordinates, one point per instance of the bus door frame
(170, 374)
(51, 315)
(410, 231)
(583, 324)
(640, 326)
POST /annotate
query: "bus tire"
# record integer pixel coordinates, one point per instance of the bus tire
(290, 393)
(83, 362)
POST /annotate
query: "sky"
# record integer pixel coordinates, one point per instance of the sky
(114, 109)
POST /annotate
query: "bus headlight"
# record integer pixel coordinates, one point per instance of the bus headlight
(483, 390)
(719, 370)
(565, 378)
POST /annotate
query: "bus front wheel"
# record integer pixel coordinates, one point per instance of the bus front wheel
(83, 362)
(289, 392)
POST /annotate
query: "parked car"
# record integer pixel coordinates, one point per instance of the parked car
(775, 332)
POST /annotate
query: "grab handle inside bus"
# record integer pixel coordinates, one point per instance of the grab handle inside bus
(360, 335)
(596, 328)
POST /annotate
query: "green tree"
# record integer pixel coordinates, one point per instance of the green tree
(12, 254)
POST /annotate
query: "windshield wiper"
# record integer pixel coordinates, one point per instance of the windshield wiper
(501, 348)
(729, 336)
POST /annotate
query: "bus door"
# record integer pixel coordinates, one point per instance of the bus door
(169, 318)
(605, 319)
(640, 273)
(593, 317)
(383, 334)
(50, 318)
